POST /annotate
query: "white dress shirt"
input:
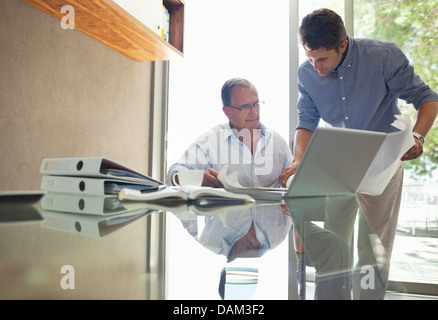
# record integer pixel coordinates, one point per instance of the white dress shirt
(221, 147)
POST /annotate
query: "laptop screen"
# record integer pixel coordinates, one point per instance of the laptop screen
(335, 162)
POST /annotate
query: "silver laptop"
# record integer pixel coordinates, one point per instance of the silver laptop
(335, 163)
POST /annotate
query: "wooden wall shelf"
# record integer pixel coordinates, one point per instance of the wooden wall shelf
(108, 23)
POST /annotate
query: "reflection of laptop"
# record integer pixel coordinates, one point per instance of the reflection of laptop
(335, 163)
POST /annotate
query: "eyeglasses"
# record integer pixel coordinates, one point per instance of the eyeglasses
(248, 107)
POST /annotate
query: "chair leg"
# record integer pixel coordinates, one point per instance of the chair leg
(301, 266)
(301, 275)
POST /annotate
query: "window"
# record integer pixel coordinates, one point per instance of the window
(226, 39)
(412, 25)
(250, 39)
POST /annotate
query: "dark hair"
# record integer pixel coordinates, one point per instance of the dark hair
(322, 28)
(222, 281)
(228, 87)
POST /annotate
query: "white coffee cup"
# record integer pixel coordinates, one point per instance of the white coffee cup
(189, 177)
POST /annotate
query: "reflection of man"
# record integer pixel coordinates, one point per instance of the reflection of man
(257, 152)
(355, 83)
(239, 234)
(243, 233)
(328, 247)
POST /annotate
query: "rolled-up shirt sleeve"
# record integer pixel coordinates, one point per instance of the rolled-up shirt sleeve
(308, 115)
(402, 80)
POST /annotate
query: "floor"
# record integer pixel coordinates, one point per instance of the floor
(389, 295)
(405, 296)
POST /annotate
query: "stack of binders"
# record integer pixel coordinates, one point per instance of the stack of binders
(91, 186)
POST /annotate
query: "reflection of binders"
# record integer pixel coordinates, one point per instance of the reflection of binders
(86, 204)
(93, 168)
(89, 225)
(91, 186)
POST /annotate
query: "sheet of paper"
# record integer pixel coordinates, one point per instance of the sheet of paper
(387, 160)
(230, 181)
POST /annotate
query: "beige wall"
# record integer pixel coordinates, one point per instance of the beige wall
(63, 94)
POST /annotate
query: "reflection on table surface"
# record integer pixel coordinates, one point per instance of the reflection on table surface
(232, 252)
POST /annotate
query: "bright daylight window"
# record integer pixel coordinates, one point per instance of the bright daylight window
(413, 25)
(222, 40)
(249, 38)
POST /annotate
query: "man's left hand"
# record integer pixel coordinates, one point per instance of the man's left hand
(414, 152)
(211, 180)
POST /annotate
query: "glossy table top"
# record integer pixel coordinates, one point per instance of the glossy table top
(178, 254)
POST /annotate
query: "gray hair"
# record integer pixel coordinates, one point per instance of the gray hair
(228, 87)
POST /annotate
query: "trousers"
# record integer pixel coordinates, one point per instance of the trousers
(378, 217)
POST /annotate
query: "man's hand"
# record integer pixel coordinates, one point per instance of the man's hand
(287, 173)
(301, 141)
(211, 180)
(413, 152)
(427, 114)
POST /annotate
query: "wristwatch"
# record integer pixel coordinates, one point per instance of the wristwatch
(419, 137)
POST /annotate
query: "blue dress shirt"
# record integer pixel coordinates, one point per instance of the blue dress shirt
(362, 93)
